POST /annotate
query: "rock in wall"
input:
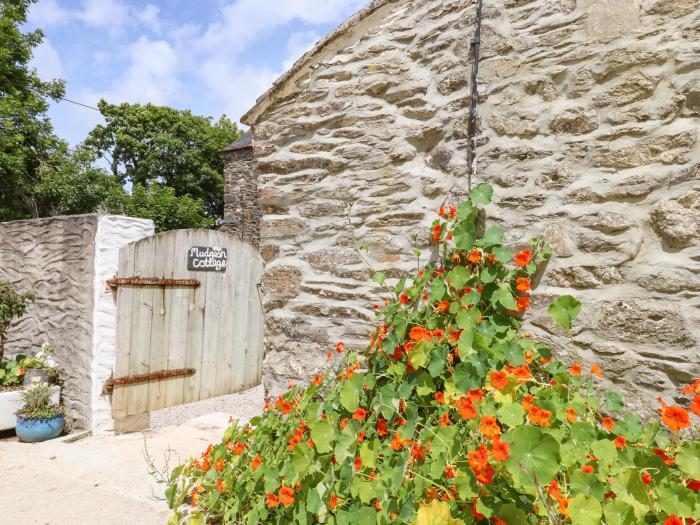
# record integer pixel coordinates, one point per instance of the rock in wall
(241, 207)
(588, 132)
(54, 257)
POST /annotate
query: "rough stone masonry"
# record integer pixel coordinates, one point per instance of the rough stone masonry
(589, 114)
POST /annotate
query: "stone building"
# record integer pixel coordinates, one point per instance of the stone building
(241, 208)
(589, 114)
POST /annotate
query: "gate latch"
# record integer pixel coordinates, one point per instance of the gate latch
(146, 378)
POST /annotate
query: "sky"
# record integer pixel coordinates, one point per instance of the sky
(213, 57)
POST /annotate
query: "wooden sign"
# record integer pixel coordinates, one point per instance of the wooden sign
(207, 259)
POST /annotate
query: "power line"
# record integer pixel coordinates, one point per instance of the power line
(65, 99)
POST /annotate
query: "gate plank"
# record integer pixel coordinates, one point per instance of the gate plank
(195, 333)
(161, 327)
(146, 300)
(124, 325)
(181, 300)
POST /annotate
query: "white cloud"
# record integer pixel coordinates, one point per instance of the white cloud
(245, 21)
(150, 18)
(104, 13)
(47, 62)
(235, 88)
(298, 44)
(150, 76)
(47, 13)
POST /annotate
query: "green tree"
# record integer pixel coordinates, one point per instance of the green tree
(145, 144)
(27, 140)
(168, 211)
(13, 305)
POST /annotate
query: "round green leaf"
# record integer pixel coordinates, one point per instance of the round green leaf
(534, 456)
(585, 510)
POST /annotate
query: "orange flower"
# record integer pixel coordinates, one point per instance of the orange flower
(219, 465)
(695, 406)
(444, 420)
(522, 284)
(436, 233)
(418, 333)
(523, 303)
(476, 395)
(588, 469)
(360, 414)
(692, 388)
(443, 306)
(575, 369)
(403, 298)
(382, 428)
(527, 401)
(221, 485)
(675, 418)
(620, 442)
(440, 397)
(474, 256)
(466, 408)
(333, 503)
(418, 451)
(523, 258)
(358, 463)
(539, 416)
(596, 371)
(608, 423)
(272, 500)
(397, 443)
(361, 436)
(498, 521)
(499, 450)
(646, 478)
(673, 520)
(571, 415)
(499, 380)
(450, 471)
(318, 379)
(522, 373)
(488, 426)
(237, 449)
(477, 515)
(256, 463)
(287, 496)
(340, 347)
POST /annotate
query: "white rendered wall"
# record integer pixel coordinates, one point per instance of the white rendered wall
(113, 232)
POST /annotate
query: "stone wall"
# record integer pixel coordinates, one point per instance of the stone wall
(588, 132)
(241, 208)
(60, 259)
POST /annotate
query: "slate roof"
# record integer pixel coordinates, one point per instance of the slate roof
(244, 142)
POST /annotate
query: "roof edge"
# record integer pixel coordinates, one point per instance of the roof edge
(264, 101)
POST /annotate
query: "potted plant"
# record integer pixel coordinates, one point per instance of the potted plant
(41, 365)
(39, 418)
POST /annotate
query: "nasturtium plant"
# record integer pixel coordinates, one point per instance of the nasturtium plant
(452, 414)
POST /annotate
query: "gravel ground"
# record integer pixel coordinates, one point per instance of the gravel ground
(243, 405)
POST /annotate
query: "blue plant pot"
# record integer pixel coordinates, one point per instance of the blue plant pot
(36, 430)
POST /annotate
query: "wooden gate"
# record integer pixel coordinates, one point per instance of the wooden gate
(189, 320)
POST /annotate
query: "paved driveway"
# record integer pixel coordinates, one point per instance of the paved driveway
(99, 480)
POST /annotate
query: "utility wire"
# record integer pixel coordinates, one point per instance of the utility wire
(475, 47)
(64, 99)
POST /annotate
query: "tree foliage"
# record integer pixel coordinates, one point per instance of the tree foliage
(452, 414)
(27, 141)
(145, 144)
(170, 159)
(13, 305)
